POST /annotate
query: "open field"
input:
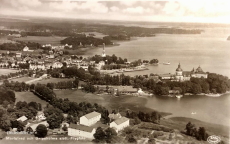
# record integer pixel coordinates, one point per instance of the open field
(29, 97)
(52, 80)
(7, 71)
(22, 79)
(54, 40)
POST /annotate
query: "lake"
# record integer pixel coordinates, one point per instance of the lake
(210, 50)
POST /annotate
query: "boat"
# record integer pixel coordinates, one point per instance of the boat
(120, 71)
(179, 96)
(166, 63)
(193, 113)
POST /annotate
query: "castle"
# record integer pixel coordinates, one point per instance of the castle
(186, 75)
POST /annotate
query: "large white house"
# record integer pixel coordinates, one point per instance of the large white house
(81, 131)
(90, 118)
(119, 124)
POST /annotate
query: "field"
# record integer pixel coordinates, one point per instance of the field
(29, 97)
(52, 80)
(54, 40)
(7, 71)
(22, 79)
(5, 40)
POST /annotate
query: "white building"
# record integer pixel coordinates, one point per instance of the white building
(90, 118)
(57, 65)
(35, 66)
(119, 124)
(40, 116)
(22, 118)
(25, 48)
(81, 131)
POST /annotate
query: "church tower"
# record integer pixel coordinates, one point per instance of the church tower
(103, 52)
(179, 73)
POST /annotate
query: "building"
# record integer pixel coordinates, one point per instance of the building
(18, 55)
(103, 52)
(123, 90)
(166, 76)
(22, 118)
(32, 127)
(119, 124)
(40, 116)
(186, 75)
(76, 130)
(114, 116)
(90, 118)
(25, 48)
(57, 65)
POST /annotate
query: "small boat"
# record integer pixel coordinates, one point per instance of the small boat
(166, 63)
(179, 96)
(193, 113)
(120, 71)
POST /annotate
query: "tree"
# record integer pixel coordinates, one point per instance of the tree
(131, 139)
(110, 133)
(99, 135)
(41, 131)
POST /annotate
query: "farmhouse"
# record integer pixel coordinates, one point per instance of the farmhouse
(90, 118)
(81, 131)
(119, 124)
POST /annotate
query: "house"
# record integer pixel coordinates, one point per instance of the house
(124, 90)
(40, 116)
(76, 130)
(22, 118)
(32, 127)
(25, 48)
(18, 55)
(114, 116)
(166, 76)
(90, 118)
(57, 65)
(119, 124)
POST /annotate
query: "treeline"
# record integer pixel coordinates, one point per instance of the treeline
(84, 41)
(153, 117)
(19, 45)
(109, 59)
(7, 96)
(24, 34)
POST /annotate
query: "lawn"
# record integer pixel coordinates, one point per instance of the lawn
(7, 71)
(52, 80)
(29, 97)
(54, 40)
(22, 79)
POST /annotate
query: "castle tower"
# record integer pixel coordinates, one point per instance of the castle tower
(103, 52)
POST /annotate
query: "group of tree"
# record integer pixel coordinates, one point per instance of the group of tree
(199, 134)
(9, 115)
(104, 136)
(19, 45)
(108, 59)
(83, 41)
(63, 84)
(7, 96)
(153, 117)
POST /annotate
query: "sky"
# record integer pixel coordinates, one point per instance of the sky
(203, 11)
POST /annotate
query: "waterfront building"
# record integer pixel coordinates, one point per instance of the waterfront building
(186, 75)
(76, 130)
(103, 52)
(119, 124)
(90, 118)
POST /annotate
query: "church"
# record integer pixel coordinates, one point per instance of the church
(186, 75)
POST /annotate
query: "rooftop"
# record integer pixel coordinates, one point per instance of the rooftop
(81, 127)
(92, 115)
(121, 120)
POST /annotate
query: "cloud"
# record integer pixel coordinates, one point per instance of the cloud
(137, 10)
(114, 9)
(128, 2)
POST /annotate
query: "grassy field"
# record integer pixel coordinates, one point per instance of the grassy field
(54, 40)
(7, 71)
(22, 79)
(52, 80)
(29, 97)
